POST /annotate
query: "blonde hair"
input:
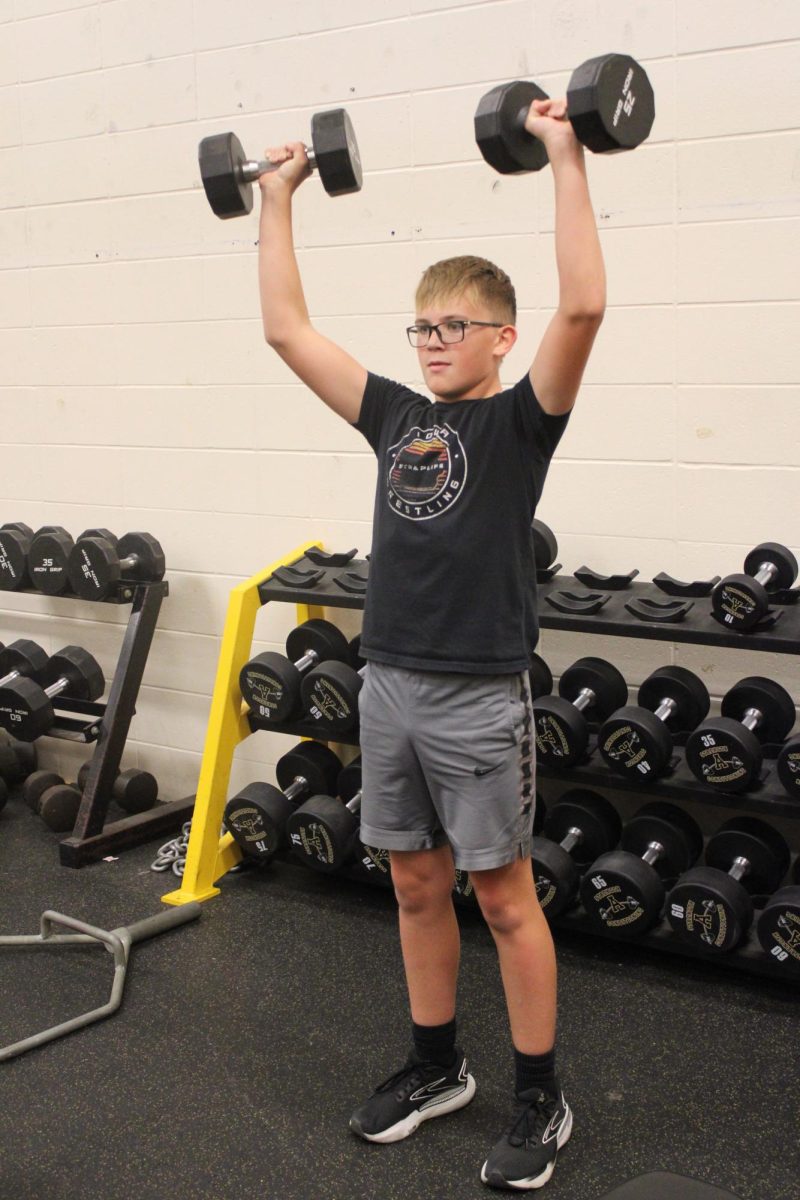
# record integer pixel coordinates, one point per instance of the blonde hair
(478, 277)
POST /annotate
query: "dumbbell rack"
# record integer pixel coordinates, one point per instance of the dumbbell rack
(107, 725)
(314, 586)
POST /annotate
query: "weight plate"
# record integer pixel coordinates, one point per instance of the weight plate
(778, 556)
(545, 546)
(47, 560)
(710, 910)
(150, 563)
(788, 767)
(270, 687)
(312, 761)
(555, 874)
(599, 677)
(683, 687)
(14, 547)
(778, 929)
(500, 129)
(336, 152)
(635, 742)
(673, 829)
(319, 637)
(322, 833)
(593, 815)
(540, 677)
(724, 754)
(622, 895)
(610, 103)
(256, 817)
(760, 844)
(772, 700)
(221, 157)
(560, 730)
(330, 696)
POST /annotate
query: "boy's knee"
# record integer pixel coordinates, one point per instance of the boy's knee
(422, 880)
(505, 904)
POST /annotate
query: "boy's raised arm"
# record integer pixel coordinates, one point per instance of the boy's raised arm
(560, 361)
(323, 366)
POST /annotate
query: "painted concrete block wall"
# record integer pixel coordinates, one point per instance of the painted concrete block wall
(136, 391)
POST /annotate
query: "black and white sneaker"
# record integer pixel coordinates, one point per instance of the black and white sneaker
(525, 1157)
(417, 1091)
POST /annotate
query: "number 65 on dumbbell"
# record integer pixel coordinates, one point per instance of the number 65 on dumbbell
(228, 175)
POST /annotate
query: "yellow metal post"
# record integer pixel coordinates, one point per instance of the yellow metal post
(208, 855)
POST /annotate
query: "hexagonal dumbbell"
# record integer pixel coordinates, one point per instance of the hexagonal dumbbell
(726, 752)
(623, 891)
(578, 828)
(17, 761)
(26, 708)
(257, 815)
(228, 176)
(15, 539)
(741, 601)
(323, 831)
(591, 687)
(135, 791)
(637, 740)
(711, 907)
(48, 557)
(778, 925)
(98, 563)
(55, 801)
(270, 682)
(610, 105)
(22, 659)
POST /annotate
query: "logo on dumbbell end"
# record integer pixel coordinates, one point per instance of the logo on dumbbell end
(427, 471)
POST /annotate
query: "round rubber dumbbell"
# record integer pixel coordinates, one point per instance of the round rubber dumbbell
(711, 907)
(257, 815)
(726, 752)
(637, 739)
(97, 564)
(788, 766)
(329, 694)
(228, 175)
(55, 801)
(26, 708)
(48, 557)
(133, 790)
(610, 105)
(323, 831)
(778, 925)
(741, 601)
(580, 827)
(623, 891)
(270, 683)
(591, 687)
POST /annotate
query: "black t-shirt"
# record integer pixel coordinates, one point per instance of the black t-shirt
(452, 581)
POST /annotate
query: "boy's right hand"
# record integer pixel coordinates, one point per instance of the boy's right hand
(294, 167)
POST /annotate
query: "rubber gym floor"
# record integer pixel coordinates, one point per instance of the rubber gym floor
(245, 1039)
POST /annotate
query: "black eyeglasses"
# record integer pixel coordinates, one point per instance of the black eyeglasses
(448, 332)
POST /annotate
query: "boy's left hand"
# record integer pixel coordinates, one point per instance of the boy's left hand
(547, 121)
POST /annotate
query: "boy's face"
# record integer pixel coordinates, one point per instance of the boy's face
(469, 369)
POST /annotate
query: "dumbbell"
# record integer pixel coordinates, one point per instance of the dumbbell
(610, 105)
(741, 601)
(623, 891)
(270, 683)
(726, 752)
(778, 925)
(590, 687)
(15, 539)
(133, 790)
(21, 659)
(545, 545)
(55, 801)
(228, 175)
(97, 562)
(323, 831)
(48, 557)
(17, 759)
(25, 707)
(788, 766)
(257, 815)
(578, 828)
(637, 740)
(711, 907)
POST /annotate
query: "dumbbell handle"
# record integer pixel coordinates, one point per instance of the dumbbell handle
(308, 660)
(251, 170)
(653, 853)
(354, 803)
(665, 709)
(740, 868)
(766, 573)
(585, 698)
(9, 677)
(55, 689)
(573, 838)
(296, 788)
(752, 719)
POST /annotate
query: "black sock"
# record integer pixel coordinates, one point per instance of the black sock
(535, 1070)
(435, 1043)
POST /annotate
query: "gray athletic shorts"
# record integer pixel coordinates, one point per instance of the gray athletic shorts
(447, 758)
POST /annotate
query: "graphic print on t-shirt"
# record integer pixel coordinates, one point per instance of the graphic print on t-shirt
(427, 471)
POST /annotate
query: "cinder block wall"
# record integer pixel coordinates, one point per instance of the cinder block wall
(136, 391)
